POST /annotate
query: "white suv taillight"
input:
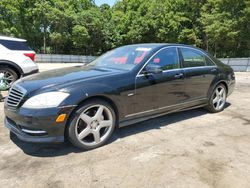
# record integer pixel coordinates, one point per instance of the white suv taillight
(30, 55)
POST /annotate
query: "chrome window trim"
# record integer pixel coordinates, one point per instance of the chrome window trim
(180, 68)
(170, 70)
(161, 108)
(199, 67)
(187, 68)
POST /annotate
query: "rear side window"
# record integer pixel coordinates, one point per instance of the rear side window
(209, 62)
(192, 58)
(15, 45)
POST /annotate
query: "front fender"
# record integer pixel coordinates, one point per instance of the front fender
(88, 91)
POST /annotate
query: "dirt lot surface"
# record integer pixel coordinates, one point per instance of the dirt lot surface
(186, 149)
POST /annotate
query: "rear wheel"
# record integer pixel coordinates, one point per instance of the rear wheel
(217, 100)
(10, 76)
(92, 125)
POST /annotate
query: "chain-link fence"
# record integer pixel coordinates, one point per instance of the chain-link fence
(238, 64)
(57, 58)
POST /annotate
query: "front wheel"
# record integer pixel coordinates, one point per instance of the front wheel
(92, 125)
(217, 100)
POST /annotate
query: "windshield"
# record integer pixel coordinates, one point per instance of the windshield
(125, 58)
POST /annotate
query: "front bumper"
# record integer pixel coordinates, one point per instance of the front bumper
(231, 86)
(28, 138)
(36, 125)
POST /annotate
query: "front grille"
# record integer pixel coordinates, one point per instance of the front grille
(15, 96)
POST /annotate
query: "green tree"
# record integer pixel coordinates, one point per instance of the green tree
(80, 27)
(80, 37)
(221, 21)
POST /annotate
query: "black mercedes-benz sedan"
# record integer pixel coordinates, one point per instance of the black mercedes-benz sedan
(128, 84)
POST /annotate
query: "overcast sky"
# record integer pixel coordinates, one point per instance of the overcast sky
(100, 2)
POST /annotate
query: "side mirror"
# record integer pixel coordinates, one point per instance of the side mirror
(153, 69)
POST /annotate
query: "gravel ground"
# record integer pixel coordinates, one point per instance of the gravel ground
(186, 149)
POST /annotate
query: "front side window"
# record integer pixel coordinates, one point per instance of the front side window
(167, 59)
(192, 58)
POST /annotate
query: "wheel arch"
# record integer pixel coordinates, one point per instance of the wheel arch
(13, 66)
(96, 97)
(213, 86)
(104, 98)
(224, 83)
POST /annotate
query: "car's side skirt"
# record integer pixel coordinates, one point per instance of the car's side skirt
(143, 116)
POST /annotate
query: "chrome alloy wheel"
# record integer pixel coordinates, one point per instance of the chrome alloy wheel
(219, 98)
(94, 125)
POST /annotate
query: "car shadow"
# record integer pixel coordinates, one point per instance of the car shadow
(60, 149)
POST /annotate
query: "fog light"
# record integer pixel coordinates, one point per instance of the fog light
(60, 118)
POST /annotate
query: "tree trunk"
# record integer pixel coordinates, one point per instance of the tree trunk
(215, 49)
(207, 44)
(44, 41)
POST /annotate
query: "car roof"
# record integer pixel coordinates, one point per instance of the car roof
(160, 45)
(12, 39)
(148, 44)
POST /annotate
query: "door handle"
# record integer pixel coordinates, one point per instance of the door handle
(214, 70)
(180, 75)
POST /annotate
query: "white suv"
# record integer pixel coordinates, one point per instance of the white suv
(16, 59)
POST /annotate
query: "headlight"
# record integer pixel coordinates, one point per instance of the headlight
(46, 100)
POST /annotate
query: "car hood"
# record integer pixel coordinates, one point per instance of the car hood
(65, 76)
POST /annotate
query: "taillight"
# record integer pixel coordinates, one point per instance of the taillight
(30, 55)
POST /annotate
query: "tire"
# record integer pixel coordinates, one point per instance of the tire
(93, 118)
(217, 99)
(10, 74)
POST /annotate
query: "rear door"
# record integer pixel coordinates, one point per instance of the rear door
(199, 72)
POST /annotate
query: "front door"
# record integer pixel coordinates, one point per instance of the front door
(159, 89)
